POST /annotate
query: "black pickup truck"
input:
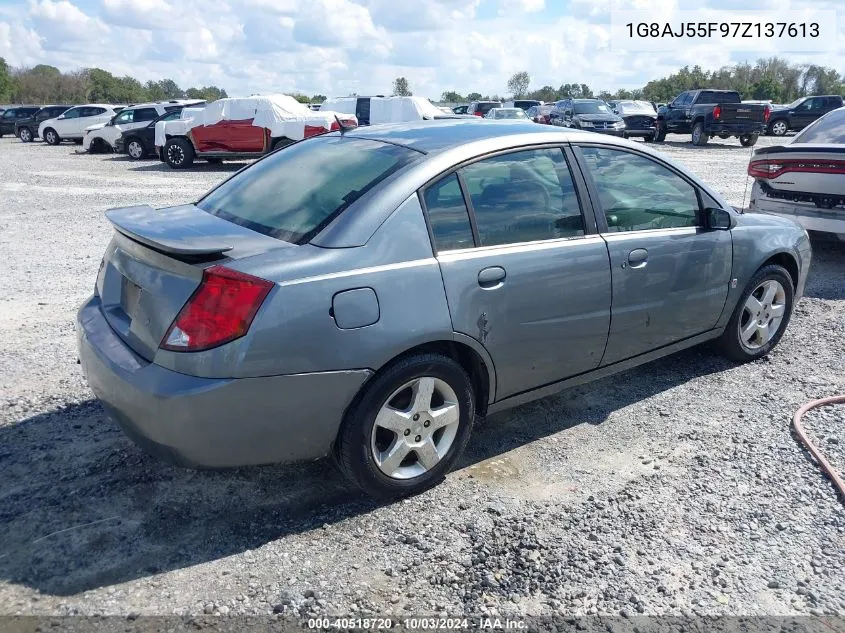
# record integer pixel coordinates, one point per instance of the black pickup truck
(709, 113)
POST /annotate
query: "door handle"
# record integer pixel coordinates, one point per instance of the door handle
(491, 277)
(638, 258)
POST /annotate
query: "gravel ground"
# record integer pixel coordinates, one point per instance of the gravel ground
(675, 488)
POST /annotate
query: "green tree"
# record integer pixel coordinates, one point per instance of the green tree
(401, 88)
(163, 90)
(318, 98)
(518, 84)
(7, 82)
(450, 96)
(474, 96)
(102, 85)
(208, 93)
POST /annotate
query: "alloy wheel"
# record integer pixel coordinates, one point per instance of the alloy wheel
(50, 137)
(779, 128)
(762, 314)
(175, 154)
(25, 135)
(135, 150)
(415, 428)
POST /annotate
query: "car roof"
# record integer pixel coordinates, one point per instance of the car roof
(440, 135)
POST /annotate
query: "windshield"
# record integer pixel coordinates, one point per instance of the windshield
(795, 103)
(508, 113)
(828, 129)
(634, 107)
(590, 107)
(294, 193)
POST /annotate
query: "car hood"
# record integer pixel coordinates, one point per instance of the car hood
(47, 122)
(628, 115)
(96, 126)
(600, 118)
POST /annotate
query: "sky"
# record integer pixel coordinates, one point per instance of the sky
(339, 47)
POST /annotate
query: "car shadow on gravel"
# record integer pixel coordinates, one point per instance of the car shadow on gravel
(825, 278)
(81, 507)
(198, 166)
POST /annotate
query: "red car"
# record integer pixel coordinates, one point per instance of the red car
(237, 128)
(539, 114)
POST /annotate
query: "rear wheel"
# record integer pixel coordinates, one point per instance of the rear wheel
(778, 127)
(25, 135)
(179, 153)
(408, 427)
(761, 315)
(135, 149)
(698, 136)
(748, 140)
(280, 143)
(660, 132)
(648, 138)
(51, 137)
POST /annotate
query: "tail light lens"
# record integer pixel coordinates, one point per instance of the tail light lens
(768, 168)
(767, 112)
(477, 113)
(220, 310)
(717, 112)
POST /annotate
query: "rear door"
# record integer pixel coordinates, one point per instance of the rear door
(524, 273)
(670, 275)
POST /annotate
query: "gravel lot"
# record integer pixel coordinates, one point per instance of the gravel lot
(674, 488)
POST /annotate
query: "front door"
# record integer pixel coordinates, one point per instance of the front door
(521, 274)
(670, 275)
(67, 122)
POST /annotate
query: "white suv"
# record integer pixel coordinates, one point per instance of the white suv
(72, 124)
(102, 136)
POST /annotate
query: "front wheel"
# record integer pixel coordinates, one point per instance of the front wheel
(25, 135)
(748, 140)
(408, 427)
(698, 135)
(761, 315)
(135, 149)
(659, 132)
(51, 137)
(778, 127)
(179, 153)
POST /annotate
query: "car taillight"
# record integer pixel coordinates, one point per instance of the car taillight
(478, 114)
(767, 168)
(767, 112)
(717, 112)
(220, 310)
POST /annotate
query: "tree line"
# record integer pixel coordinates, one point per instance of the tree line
(772, 79)
(47, 84)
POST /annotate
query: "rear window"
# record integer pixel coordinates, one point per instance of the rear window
(484, 108)
(828, 129)
(296, 192)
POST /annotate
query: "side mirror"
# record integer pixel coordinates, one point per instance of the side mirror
(61, 116)
(718, 219)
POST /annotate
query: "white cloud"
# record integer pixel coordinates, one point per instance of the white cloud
(342, 46)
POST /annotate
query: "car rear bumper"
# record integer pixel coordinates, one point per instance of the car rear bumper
(735, 129)
(212, 422)
(809, 216)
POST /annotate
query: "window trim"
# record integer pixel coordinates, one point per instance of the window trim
(592, 189)
(588, 216)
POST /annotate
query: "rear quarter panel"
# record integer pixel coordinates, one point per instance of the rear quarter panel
(230, 136)
(757, 238)
(295, 331)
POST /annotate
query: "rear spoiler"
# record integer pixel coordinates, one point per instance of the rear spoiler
(168, 231)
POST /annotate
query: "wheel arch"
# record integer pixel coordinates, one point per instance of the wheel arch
(788, 261)
(469, 354)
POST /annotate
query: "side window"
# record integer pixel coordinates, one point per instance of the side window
(448, 215)
(73, 113)
(523, 197)
(145, 114)
(124, 117)
(9, 114)
(639, 194)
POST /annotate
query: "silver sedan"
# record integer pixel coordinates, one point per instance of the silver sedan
(369, 293)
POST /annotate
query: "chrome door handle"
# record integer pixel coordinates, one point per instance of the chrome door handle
(491, 277)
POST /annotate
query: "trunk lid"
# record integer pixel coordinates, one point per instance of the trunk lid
(155, 262)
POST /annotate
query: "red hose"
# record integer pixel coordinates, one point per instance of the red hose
(826, 466)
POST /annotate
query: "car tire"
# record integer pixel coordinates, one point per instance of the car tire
(376, 456)
(648, 138)
(135, 149)
(214, 161)
(742, 341)
(660, 132)
(25, 135)
(699, 138)
(778, 127)
(179, 153)
(97, 146)
(280, 143)
(51, 137)
(748, 140)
